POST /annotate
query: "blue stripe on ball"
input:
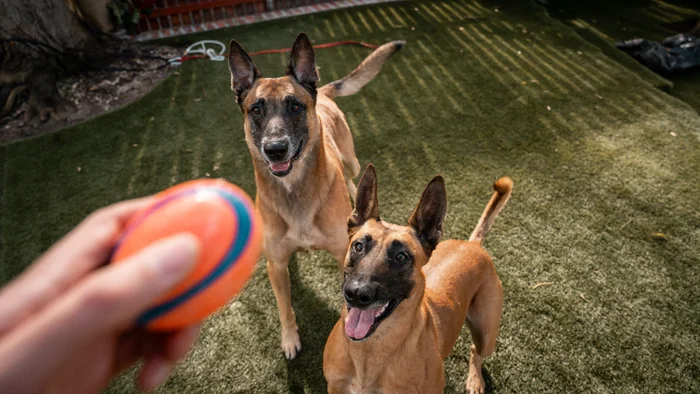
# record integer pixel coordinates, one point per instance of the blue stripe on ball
(229, 260)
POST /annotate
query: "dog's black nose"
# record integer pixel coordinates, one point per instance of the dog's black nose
(360, 294)
(276, 150)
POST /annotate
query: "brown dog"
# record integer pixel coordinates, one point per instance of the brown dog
(407, 297)
(304, 160)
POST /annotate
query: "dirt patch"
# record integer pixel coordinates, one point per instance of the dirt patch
(94, 93)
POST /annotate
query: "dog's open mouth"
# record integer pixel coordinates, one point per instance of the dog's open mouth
(283, 168)
(361, 323)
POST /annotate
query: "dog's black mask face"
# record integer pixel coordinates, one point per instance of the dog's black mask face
(280, 116)
(384, 261)
(279, 126)
(380, 272)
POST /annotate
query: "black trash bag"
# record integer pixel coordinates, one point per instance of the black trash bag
(675, 54)
(685, 41)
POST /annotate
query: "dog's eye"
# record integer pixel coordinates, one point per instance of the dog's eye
(358, 247)
(401, 257)
(256, 111)
(295, 107)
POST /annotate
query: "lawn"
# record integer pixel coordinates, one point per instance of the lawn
(606, 22)
(605, 205)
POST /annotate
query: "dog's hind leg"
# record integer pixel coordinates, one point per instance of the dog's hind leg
(483, 320)
(346, 148)
(278, 272)
(337, 246)
(350, 171)
(351, 167)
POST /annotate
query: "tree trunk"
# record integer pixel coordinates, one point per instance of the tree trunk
(40, 41)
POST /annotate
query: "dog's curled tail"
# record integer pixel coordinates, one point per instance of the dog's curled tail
(365, 72)
(502, 190)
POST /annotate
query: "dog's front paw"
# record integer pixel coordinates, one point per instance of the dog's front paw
(291, 344)
(475, 383)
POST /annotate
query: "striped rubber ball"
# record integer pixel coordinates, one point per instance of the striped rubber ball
(224, 219)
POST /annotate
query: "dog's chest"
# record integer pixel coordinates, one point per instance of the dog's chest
(304, 234)
(372, 374)
(299, 213)
(355, 387)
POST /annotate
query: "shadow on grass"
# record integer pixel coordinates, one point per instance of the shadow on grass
(490, 385)
(315, 320)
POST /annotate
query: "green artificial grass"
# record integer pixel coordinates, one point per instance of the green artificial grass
(601, 160)
(604, 23)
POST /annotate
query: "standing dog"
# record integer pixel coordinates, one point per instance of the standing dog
(304, 160)
(407, 296)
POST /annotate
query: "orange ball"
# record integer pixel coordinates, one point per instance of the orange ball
(223, 218)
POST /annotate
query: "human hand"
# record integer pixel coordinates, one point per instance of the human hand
(66, 323)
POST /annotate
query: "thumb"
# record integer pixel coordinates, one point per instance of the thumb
(130, 287)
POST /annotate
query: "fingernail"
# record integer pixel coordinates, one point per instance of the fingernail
(176, 256)
(194, 330)
(159, 375)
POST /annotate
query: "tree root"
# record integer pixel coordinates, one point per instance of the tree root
(51, 108)
(44, 99)
(11, 99)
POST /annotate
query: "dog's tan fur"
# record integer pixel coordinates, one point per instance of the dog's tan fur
(454, 283)
(308, 208)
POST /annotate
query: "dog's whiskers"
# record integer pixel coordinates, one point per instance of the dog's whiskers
(307, 153)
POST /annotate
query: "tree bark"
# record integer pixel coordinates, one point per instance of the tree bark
(40, 41)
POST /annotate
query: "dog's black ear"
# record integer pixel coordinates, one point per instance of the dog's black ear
(366, 203)
(243, 70)
(302, 63)
(429, 214)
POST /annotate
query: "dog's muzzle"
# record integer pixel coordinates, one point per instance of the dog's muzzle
(276, 153)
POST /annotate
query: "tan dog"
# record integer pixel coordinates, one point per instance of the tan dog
(304, 160)
(407, 297)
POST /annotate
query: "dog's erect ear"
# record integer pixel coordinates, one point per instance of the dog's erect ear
(366, 203)
(243, 70)
(429, 214)
(302, 63)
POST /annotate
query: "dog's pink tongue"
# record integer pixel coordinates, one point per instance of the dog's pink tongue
(277, 167)
(359, 321)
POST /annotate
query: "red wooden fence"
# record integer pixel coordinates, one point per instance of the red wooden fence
(163, 14)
